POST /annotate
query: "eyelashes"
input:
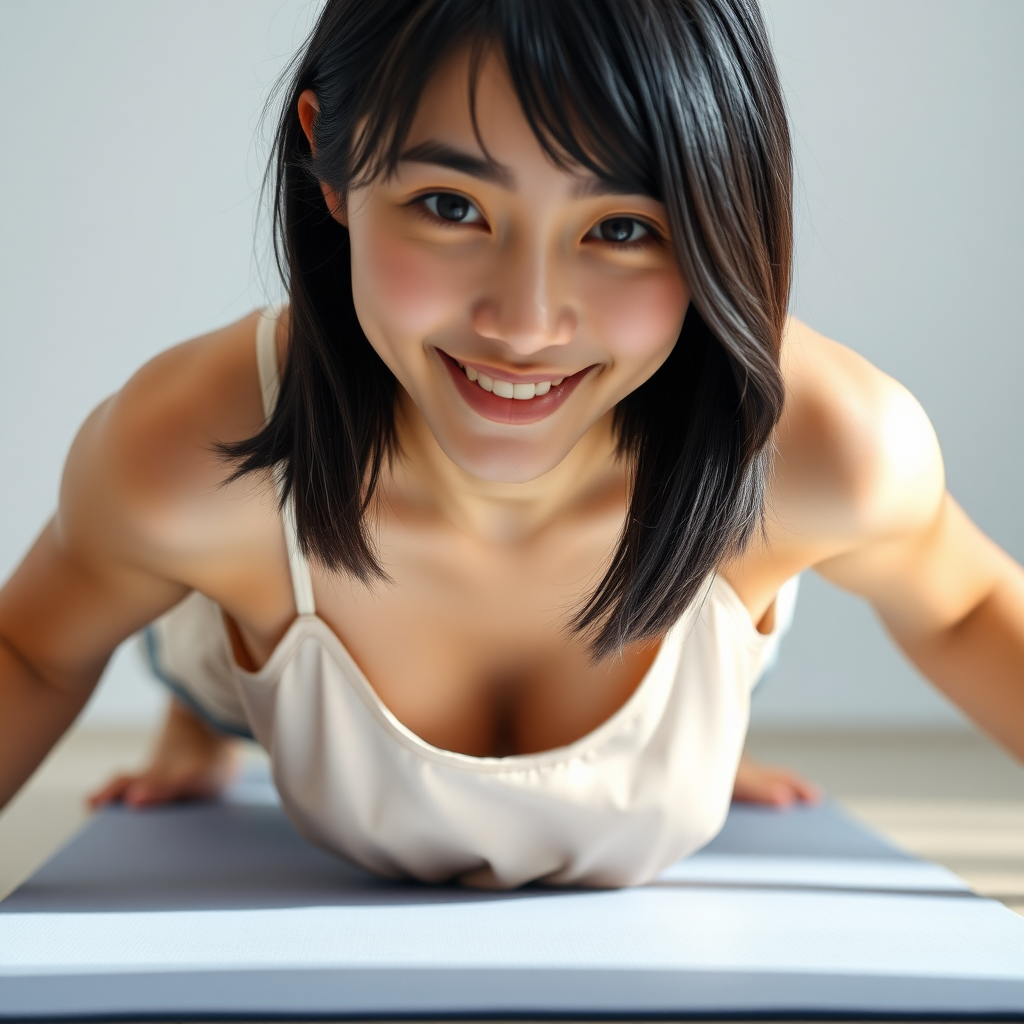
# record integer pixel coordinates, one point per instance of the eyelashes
(455, 209)
(624, 232)
(452, 208)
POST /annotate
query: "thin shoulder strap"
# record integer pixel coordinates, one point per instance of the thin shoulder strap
(270, 386)
(266, 358)
(302, 582)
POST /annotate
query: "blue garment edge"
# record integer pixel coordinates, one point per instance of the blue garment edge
(152, 650)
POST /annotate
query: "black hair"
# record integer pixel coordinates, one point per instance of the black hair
(678, 99)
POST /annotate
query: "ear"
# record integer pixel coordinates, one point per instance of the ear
(308, 108)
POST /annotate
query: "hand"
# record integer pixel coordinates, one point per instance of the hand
(189, 763)
(766, 784)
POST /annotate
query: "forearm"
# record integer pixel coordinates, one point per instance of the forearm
(183, 732)
(979, 661)
(33, 716)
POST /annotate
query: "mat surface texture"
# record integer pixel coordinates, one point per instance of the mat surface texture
(221, 910)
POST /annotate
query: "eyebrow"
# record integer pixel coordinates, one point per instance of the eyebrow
(443, 155)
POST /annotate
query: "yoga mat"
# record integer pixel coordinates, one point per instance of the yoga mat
(221, 910)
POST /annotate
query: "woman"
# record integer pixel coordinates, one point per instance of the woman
(487, 535)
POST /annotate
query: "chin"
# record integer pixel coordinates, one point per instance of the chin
(503, 459)
(506, 464)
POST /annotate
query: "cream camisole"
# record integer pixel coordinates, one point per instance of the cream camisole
(650, 785)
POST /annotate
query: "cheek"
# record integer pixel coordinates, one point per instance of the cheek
(401, 289)
(636, 319)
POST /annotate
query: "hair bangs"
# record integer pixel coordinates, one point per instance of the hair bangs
(583, 105)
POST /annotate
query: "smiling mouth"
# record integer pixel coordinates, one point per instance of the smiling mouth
(513, 402)
(507, 388)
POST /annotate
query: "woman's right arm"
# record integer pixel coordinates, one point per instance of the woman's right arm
(144, 516)
(87, 583)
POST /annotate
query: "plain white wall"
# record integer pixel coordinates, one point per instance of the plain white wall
(127, 219)
(132, 162)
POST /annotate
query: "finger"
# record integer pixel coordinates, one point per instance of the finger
(803, 789)
(780, 794)
(111, 792)
(145, 792)
(149, 792)
(763, 789)
(810, 792)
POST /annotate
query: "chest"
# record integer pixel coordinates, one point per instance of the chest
(469, 645)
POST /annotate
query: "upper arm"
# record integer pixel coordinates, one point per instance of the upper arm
(132, 518)
(857, 457)
(85, 583)
(926, 579)
(886, 527)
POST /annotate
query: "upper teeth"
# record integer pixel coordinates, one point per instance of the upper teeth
(506, 389)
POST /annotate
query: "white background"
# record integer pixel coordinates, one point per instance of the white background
(132, 160)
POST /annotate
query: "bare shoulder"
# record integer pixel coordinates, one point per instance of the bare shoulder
(144, 469)
(857, 457)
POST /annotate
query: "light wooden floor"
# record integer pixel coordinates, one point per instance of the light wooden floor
(953, 798)
(51, 807)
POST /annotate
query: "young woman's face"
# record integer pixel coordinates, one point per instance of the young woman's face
(515, 302)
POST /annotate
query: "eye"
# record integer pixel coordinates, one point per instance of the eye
(620, 230)
(451, 207)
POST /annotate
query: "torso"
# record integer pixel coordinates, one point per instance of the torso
(467, 646)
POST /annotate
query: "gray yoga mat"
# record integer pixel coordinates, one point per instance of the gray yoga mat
(221, 910)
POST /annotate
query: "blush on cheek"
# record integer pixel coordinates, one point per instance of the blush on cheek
(635, 319)
(404, 288)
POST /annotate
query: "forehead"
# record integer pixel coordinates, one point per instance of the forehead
(474, 111)
(456, 91)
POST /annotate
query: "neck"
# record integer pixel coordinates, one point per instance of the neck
(490, 511)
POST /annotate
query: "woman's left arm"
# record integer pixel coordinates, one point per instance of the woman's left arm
(952, 600)
(859, 494)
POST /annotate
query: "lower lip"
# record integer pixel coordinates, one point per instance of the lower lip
(510, 410)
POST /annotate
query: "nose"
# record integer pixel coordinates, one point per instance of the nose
(526, 306)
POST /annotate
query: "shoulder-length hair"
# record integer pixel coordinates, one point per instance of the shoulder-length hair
(676, 99)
